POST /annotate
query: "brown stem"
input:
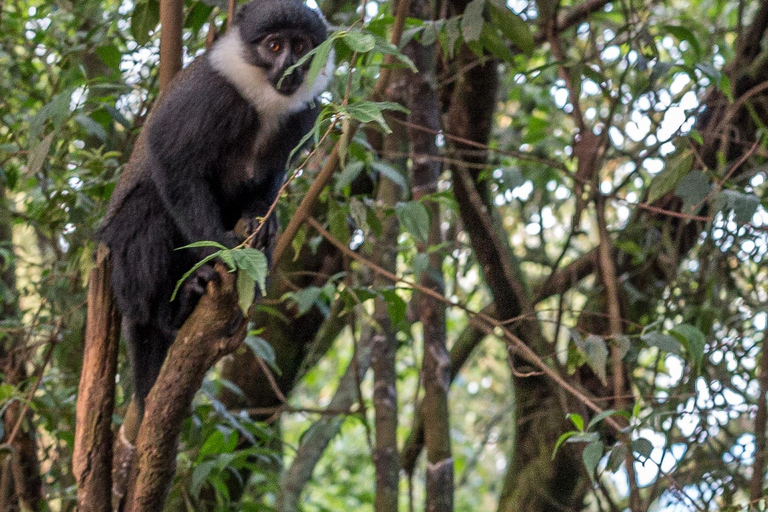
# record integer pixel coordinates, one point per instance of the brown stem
(482, 321)
(386, 456)
(215, 328)
(171, 21)
(761, 424)
(460, 351)
(610, 282)
(436, 367)
(92, 459)
(324, 176)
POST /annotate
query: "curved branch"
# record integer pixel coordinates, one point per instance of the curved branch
(215, 329)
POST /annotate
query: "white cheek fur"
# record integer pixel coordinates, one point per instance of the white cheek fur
(226, 57)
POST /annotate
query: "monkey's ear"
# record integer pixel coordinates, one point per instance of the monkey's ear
(242, 10)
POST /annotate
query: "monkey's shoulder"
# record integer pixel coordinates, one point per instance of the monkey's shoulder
(200, 115)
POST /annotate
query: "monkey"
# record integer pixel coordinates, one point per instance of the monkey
(213, 151)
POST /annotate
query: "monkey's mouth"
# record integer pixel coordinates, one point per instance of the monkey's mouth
(288, 89)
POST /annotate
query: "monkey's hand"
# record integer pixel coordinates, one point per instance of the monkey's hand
(261, 235)
(192, 289)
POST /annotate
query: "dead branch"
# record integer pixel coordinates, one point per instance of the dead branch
(92, 459)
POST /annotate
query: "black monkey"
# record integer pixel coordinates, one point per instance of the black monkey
(213, 151)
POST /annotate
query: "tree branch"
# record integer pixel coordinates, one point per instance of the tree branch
(215, 328)
(92, 458)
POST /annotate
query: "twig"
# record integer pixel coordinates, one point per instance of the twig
(484, 322)
(46, 359)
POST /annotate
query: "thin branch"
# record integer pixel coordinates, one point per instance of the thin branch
(482, 321)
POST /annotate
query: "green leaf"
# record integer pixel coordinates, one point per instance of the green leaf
(694, 341)
(577, 420)
(214, 444)
(491, 41)
(319, 60)
(92, 127)
(414, 218)
(561, 440)
(57, 110)
(39, 153)
(359, 41)
(591, 456)
(617, 457)
(246, 291)
(642, 446)
(7, 392)
(453, 33)
(623, 344)
(390, 173)
(670, 176)
(262, 349)
(512, 26)
(597, 355)
(110, 55)
(429, 34)
(693, 188)
(200, 475)
(600, 417)
(472, 22)
(146, 16)
(228, 259)
(350, 173)
(372, 111)
(305, 299)
(662, 341)
(396, 306)
(319, 56)
(204, 243)
(254, 263)
(743, 205)
(684, 34)
(197, 15)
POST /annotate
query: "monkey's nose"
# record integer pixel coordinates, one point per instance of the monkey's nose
(287, 89)
(290, 83)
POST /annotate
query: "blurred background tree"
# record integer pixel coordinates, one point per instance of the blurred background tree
(590, 174)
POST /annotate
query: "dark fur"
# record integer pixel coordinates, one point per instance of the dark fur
(192, 176)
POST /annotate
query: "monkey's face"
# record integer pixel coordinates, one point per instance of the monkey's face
(278, 51)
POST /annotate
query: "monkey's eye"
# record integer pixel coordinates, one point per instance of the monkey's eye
(274, 46)
(299, 48)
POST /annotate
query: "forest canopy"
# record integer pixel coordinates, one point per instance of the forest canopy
(522, 264)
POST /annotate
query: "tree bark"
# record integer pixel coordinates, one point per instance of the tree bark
(20, 472)
(436, 367)
(215, 328)
(386, 455)
(92, 458)
(171, 23)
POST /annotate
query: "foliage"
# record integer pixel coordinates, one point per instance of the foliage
(688, 235)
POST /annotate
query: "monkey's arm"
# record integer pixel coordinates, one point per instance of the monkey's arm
(191, 204)
(191, 133)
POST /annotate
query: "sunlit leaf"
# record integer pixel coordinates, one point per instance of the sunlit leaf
(472, 22)
(414, 219)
